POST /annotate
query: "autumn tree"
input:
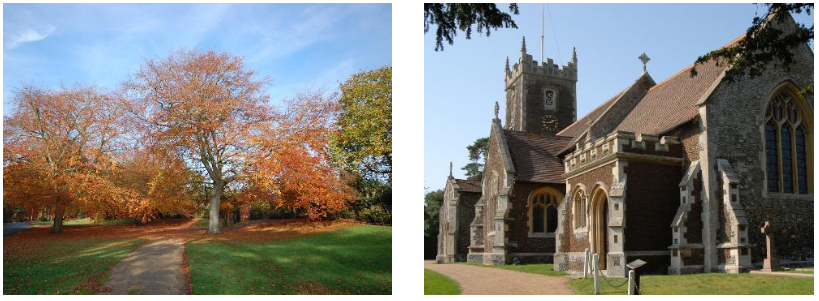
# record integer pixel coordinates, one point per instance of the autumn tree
(292, 165)
(205, 105)
(364, 139)
(160, 183)
(59, 151)
(363, 143)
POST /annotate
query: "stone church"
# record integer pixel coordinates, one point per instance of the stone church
(680, 173)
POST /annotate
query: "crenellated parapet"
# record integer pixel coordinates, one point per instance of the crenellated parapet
(526, 64)
(590, 153)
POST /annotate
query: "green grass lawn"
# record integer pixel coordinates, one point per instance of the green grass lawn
(808, 270)
(60, 266)
(351, 260)
(87, 222)
(705, 284)
(437, 284)
(539, 268)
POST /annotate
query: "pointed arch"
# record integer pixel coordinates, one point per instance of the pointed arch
(579, 207)
(788, 140)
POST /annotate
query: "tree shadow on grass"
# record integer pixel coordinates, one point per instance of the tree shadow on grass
(353, 260)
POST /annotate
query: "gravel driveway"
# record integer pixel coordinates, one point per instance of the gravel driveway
(491, 281)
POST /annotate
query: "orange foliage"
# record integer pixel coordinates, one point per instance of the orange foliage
(291, 164)
(148, 150)
(59, 150)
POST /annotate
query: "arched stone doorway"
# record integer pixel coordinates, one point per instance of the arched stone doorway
(599, 231)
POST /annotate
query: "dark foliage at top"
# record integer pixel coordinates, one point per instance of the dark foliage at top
(451, 17)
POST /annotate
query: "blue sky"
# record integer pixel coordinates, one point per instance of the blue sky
(299, 46)
(462, 83)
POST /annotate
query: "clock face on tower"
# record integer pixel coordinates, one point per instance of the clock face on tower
(549, 122)
(549, 99)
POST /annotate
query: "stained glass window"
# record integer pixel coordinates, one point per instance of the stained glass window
(772, 162)
(801, 161)
(786, 141)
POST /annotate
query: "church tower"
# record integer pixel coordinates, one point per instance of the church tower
(540, 97)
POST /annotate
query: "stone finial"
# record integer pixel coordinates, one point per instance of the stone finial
(644, 58)
(507, 64)
(589, 124)
(497, 109)
(450, 169)
(574, 55)
(523, 45)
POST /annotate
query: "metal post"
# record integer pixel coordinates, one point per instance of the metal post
(631, 282)
(596, 275)
(586, 263)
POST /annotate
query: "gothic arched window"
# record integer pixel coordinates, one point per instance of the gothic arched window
(579, 212)
(543, 211)
(786, 145)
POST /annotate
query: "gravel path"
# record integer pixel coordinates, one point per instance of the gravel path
(152, 269)
(491, 281)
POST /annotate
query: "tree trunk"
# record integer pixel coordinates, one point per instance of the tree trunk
(215, 198)
(244, 213)
(229, 217)
(59, 211)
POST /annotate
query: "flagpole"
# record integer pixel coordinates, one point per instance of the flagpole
(542, 29)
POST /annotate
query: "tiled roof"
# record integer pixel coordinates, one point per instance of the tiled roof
(578, 127)
(534, 156)
(469, 185)
(672, 102)
(609, 108)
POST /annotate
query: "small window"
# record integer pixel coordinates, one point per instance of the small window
(579, 202)
(543, 212)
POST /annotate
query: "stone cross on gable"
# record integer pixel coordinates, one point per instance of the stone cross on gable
(644, 58)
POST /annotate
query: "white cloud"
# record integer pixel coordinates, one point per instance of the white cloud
(330, 78)
(24, 27)
(314, 24)
(27, 35)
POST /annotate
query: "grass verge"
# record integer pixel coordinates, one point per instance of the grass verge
(88, 222)
(539, 268)
(350, 260)
(438, 284)
(801, 271)
(705, 284)
(62, 266)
